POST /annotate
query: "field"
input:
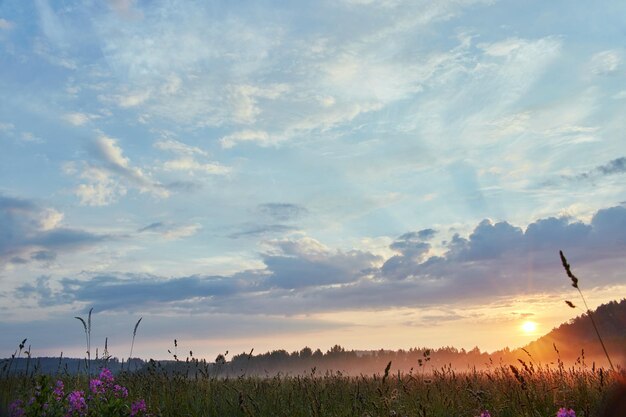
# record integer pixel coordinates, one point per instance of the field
(503, 391)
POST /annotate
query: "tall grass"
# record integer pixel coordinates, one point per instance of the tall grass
(575, 280)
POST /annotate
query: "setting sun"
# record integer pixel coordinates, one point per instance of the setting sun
(529, 327)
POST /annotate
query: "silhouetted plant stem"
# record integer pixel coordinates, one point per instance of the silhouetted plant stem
(574, 279)
(132, 344)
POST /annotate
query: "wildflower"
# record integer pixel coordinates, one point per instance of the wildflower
(77, 402)
(16, 409)
(97, 386)
(486, 414)
(564, 412)
(58, 390)
(136, 407)
(120, 391)
(106, 376)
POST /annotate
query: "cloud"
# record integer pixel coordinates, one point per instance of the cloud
(36, 233)
(259, 137)
(110, 174)
(79, 119)
(287, 86)
(6, 24)
(282, 211)
(613, 167)
(51, 24)
(179, 148)
(172, 231)
(110, 292)
(43, 255)
(301, 275)
(190, 165)
(305, 262)
(6, 127)
(605, 62)
(616, 166)
(261, 230)
(244, 100)
(100, 189)
(184, 186)
(186, 159)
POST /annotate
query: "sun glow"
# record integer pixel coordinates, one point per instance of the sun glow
(529, 327)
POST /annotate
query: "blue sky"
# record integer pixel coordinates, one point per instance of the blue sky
(273, 174)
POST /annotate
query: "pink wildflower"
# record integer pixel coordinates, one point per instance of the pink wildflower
(120, 391)
(136, 407)
(97, 386)
(106, 376)
(77, 402)
(564, 412)
(16, 410)
(485, 414)
(59, 390)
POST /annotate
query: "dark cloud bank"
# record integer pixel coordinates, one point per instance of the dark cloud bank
(27, 233)
(302, 276)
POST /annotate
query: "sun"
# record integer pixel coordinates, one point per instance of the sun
(529, 327)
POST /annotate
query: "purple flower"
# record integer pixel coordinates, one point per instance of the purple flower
(59, 390)
(106, 376)
(77, 402)
(486, 414)
(564, 412)
(136, 407)
(16, 410)
(120, 391)
(96, 386)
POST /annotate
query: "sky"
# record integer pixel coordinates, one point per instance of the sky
(274, 175)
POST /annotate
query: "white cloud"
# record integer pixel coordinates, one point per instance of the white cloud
(6, 127)
(132, 99)
(503, 48)
(244, 100)
(78, 119)
(186, 160)
(179, 147)
(50, 219)
(257, 136)
(111, 154)
(30, 137)
(191, 165)
(110, 175)
(605, 62)
(100, 188)
(6, 24)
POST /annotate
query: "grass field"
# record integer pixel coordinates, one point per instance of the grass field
(502, 391)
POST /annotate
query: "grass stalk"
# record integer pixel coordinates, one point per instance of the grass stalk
(574, 279)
